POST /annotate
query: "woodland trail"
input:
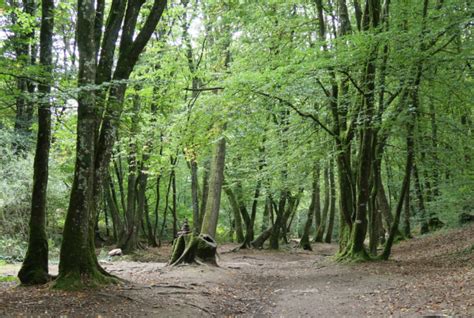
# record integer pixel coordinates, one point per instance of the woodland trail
(431, 275)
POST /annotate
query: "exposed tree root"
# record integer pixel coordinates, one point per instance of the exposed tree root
(351, 256)
(189, 249)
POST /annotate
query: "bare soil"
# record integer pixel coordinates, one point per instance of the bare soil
(429, 275)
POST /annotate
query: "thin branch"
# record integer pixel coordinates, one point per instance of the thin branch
(204, 89)
(299, 112)
(326, 92)
(361, 91)
(202, 52)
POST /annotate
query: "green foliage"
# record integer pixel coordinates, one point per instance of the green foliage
(266, 61)
(12, 250)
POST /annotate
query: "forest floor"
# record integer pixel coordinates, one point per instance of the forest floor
(428, 275)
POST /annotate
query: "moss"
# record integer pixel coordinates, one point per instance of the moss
(74, 281)
(350, 255)
(178, 249)
(188, 248)
(33, 276)
(344, 236)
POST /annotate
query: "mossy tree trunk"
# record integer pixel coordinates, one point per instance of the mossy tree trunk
(205, 189)
(190, 248)
(355, 248)
(78, 266)
(332, 208)
(35, 265)
(122, 21)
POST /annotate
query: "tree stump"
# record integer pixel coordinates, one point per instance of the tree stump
(190, 249)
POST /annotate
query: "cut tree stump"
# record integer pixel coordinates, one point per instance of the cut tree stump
(190, 249)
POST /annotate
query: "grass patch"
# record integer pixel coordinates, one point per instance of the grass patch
(8, 279)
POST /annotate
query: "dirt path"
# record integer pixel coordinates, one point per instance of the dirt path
(433, 275)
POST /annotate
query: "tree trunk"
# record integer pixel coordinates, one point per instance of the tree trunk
(34, 269)
(421, 202)
(280, 211)
(209, 223)
(266, 215)
(355, 250)
(78, 266)
(189, 248)
(205, 189)
(405, 186)
(332, 209)
(129, 240)
(321, 227)
(165, 210)
(407, 214)
(265, 235)
(174, 202)
(195, 196)
(112, 204)
(150, 233)
(131, 47)
(250, 234)
(237, 217)
(304, 242)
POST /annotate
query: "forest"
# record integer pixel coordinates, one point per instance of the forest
(276, 158)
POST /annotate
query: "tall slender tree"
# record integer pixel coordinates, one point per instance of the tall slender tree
(35, 265)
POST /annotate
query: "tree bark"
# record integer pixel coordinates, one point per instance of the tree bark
(78, 266)
(332, 209)
(305, 242)
(321, 227)
(195, 196)
(405, 186)
(237, 217)
(34, 269)
(129, 240)
(216, 178)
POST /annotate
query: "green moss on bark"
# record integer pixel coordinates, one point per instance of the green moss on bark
(353, 255)
(75, 280)
(192, 249)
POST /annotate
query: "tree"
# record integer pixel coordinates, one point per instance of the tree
(35, 265)
(78, 266)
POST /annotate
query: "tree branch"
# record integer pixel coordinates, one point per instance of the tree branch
(299, 112)
(361, 91)
(202, 89)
